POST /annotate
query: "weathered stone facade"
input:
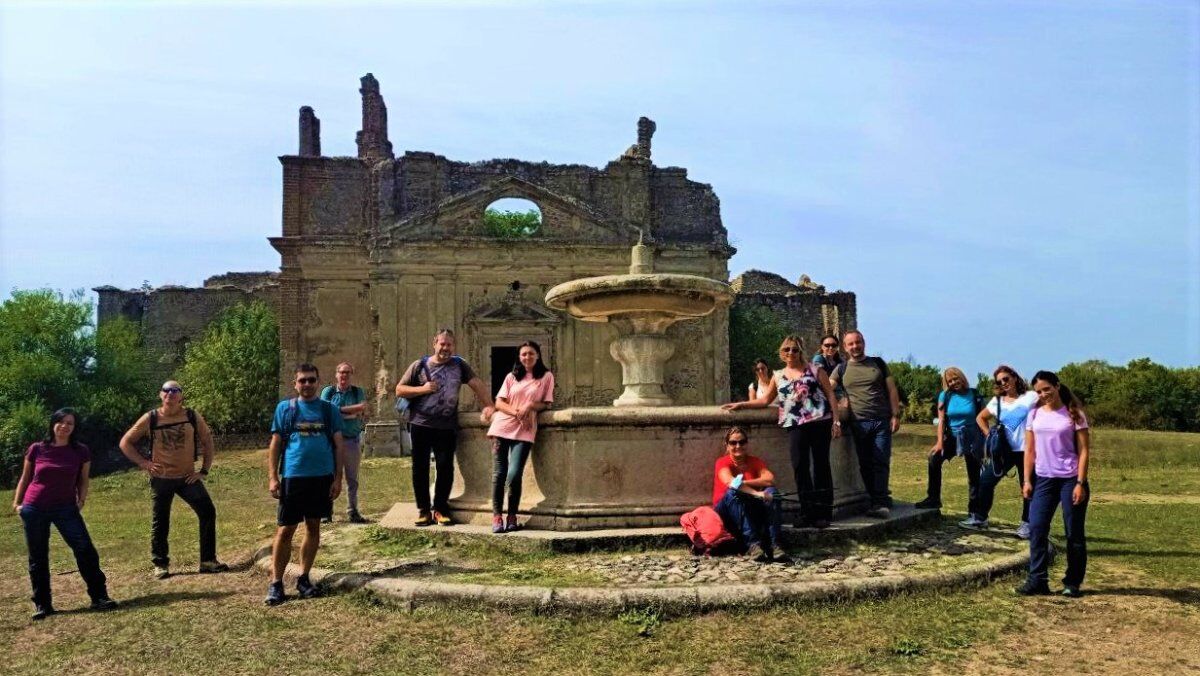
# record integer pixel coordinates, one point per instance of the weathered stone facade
(805, 307)
(170, 317)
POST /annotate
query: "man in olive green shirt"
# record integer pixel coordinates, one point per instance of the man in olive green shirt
(874, 414)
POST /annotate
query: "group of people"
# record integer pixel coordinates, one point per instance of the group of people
(314, 447)
(1040, 430)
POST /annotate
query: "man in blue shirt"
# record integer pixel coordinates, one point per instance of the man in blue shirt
(350, 400)
(305, 468)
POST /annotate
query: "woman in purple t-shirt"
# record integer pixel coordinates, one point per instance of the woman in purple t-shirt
(1056, 467)
(52, 489)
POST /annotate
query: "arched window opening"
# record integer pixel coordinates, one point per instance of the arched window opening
(512, 218)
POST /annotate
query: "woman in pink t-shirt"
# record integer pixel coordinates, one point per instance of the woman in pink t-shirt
(527, 391)
(1056, 470)
(52, 489)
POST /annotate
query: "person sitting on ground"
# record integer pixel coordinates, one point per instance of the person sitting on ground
(304, 466)
(527, 391)
(745, 497)
(957, 435)
(1010, 407)
(1057, 454)
(52, 490)
(177, 436)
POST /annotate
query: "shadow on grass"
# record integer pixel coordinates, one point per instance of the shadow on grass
(1188, 596)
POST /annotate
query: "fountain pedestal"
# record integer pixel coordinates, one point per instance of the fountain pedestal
(643, 358)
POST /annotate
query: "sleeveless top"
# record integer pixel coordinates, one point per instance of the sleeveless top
(801, 400)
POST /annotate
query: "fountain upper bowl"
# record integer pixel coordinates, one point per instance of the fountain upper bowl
(665, 295)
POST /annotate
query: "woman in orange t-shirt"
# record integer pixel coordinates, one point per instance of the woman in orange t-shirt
(527, 391)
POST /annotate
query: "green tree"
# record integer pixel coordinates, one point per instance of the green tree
(754, 333)
(511, 224)
(51, 357)
(230, 374)
(918, 385)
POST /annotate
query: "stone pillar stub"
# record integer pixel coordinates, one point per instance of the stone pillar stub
(373, 143)
(310, 133)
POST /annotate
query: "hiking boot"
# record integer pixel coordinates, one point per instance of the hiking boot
(1071, 592)
(929, 503)
(1031, 588)
(442, 519)
(275, 594)
(306, 589)
(354, 517)
(1023, 530)
(511, 524)
(41, 611)
(213, 566)
(424, 519)
(161, 573)
(103, 603)
(879, 512)
(497, 523)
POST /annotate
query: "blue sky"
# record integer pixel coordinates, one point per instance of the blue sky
(1015, 181)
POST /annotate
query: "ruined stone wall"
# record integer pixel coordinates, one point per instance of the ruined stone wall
(807, 309)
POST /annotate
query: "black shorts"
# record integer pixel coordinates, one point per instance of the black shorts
(304, 497)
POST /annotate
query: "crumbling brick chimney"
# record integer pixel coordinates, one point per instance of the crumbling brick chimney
(373, 144)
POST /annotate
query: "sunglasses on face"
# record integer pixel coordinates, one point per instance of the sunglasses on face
(307, 380)
(1004, 381)
(736, 442)
(830, 346)
(344, 373)
(171, 390)
(789, 350)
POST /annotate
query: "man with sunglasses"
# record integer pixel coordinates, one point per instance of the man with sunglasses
(178, 436)
(304, 465)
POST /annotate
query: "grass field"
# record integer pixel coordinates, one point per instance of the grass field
(1142, 612)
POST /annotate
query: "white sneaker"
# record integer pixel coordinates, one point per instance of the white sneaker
(1023, 530)
(973, 522)
(161, 573)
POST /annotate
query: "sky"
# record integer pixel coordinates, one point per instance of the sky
(1011, 182)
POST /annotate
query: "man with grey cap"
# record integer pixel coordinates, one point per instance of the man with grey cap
(178, 438)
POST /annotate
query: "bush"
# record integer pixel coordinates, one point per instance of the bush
(231, 373)
(754, 333)
(51, 357)
(511, 224)
(918, 386)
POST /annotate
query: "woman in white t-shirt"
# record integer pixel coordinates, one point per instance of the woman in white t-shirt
(762, 380)
(527, 391)
(1010, 407)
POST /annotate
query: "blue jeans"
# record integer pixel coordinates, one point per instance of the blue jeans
(508, 466)
(987, 486)
(1048, 494)
(70, 525)
(753, 521)
(956, 445)
(873, 444)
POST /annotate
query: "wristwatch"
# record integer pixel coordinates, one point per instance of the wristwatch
(204, 472)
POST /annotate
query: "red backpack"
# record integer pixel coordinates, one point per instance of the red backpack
(704, 528)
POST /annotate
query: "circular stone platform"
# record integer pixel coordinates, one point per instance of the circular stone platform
(453, 565)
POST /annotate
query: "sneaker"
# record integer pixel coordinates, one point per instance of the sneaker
(327, 519)
(354, 517)
(497, 523)
(275, 594)
(1031, 588)
(758, 554)
(306, 589)
(442, 519)
(974, 523)
(103, 603)
(511, 524)
(1071, 592)
(782, 558)
(1023, 530)
(879, 512)
(929, 503)
(424, 519)
(213, 566)
(161, 573)
(41, 612)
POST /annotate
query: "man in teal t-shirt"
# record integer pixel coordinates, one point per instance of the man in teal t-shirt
(350, 400)
(305, 474)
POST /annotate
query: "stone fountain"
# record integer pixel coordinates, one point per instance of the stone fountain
(641, 462)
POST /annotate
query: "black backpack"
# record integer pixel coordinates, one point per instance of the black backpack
(191, 420)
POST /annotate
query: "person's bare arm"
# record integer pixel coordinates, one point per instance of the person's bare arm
(339, 455)
(23, 483)
(941, 428)
(760, 402)
(983, 420)
(410, 391)
(764, 480)
(1030, 455)
(1082, 443)
(273, 465)
(827, 388)
(894, 396)
(208, 449)
(481, 393)
(129, 448)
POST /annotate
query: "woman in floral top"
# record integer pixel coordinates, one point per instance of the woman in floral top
(808, 411)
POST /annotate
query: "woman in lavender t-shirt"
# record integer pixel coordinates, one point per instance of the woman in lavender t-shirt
(1056, 467)
(52, 489)
(527, 391)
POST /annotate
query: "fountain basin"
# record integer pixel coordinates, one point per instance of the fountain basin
(649, 302)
